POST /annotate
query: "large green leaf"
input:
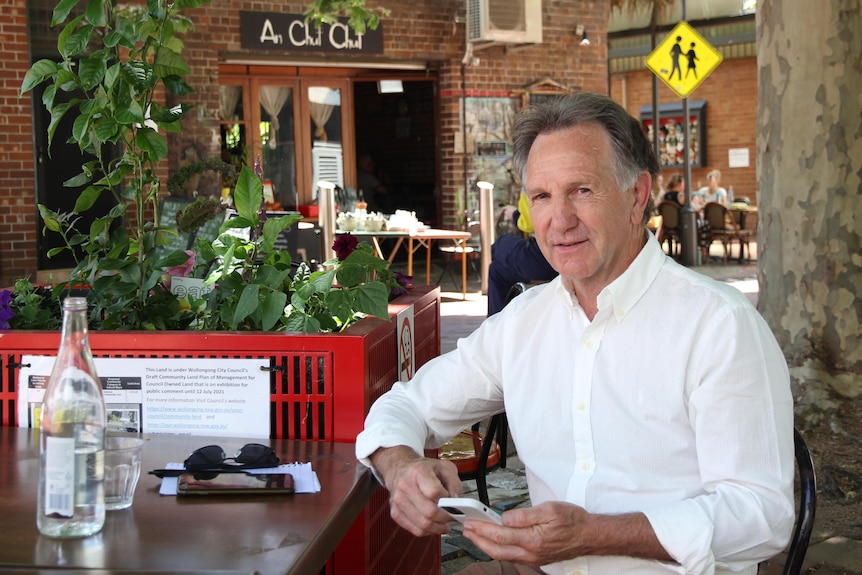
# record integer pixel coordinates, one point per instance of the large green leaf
(77, 42)
(272, 227)
(169, 63)
(38, 73)
(249, 300)
(96, 13)
(372, 298)
(273, 309)
(87, 198)
(106, 130)
(62, 10)
(248, 195)
(351, 275)
(339, 302)
(92, 70)
(151, 141)
(49, 218)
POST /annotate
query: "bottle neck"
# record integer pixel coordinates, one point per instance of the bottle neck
(74, 328)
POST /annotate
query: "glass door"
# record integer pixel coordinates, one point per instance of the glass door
(326, 132)
(276, 118)
(296, 127)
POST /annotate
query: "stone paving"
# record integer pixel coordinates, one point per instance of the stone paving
(508, 487)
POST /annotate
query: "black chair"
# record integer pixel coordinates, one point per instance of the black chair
(476, 454)
(670, 226)
(807, 507)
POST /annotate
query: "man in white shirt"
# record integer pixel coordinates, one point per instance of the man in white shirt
(645, 450)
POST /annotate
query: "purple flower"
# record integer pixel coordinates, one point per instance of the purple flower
(404, 281)
(6, 312)
(344, 245)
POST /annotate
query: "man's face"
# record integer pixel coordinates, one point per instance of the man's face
(587, 228)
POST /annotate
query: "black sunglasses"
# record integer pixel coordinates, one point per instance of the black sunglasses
(249, 456)
(212, 459)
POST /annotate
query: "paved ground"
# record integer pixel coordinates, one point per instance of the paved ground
(508, 488)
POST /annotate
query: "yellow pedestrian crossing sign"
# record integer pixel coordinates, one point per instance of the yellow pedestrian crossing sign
(683, 59)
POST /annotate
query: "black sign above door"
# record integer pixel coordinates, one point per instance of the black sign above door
(290, 32)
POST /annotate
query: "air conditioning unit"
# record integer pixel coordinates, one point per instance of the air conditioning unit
(504, 22)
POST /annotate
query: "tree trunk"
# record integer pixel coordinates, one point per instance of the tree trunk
(809, 153)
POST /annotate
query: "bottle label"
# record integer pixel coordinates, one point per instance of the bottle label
(59, 476)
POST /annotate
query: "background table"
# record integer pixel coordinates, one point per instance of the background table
(270, 534)
(415, 240)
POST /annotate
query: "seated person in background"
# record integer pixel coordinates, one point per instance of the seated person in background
(515, 258)
(675, 190)
(658, 192)
(641, 456)
(712, 191)
(368, 185)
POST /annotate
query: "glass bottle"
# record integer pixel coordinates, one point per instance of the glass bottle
(72, 422)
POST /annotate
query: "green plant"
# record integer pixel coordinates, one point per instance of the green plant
(258, 288)
(359, 16)
(26, 306)
(114, 61)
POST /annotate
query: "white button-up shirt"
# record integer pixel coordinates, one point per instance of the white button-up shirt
(674, 401)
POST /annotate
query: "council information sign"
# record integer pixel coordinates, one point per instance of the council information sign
(683, 59)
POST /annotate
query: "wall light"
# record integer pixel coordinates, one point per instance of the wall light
(390, 87)
(582, 32)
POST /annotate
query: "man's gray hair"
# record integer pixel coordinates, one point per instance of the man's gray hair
(633, 152)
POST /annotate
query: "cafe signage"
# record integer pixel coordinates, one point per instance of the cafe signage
(291, 32)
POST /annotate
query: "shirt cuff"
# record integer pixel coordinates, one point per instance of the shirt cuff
(685, 535)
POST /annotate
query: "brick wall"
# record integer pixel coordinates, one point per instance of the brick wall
(17, 168)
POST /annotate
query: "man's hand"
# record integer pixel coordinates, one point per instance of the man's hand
(415, 484)
(556, 531)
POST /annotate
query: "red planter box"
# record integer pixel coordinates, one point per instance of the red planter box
(335, 377)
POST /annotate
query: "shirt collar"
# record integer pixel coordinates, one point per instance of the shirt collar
(624, 292)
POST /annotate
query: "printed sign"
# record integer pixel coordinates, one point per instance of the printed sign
(291, 32)
(683, 59)
(186, 396)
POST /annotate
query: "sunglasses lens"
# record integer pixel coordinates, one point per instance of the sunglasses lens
(205, 457)
(256, 455)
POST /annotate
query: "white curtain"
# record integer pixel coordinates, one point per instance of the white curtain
(228, 97)
(273, 99)
(322, 102)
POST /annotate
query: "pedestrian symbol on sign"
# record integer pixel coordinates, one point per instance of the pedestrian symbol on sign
(669, 57)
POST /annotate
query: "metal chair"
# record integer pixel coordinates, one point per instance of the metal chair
(723, 227)
(670, 226)
(472, 250)
(807, 507)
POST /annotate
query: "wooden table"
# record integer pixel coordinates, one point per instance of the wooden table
(415, 240)
(293, 534)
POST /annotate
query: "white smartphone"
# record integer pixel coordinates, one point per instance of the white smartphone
(463, 508)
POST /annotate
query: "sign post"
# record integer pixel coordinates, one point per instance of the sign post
(685, 48)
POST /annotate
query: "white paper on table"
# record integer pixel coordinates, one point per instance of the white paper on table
(305, 480)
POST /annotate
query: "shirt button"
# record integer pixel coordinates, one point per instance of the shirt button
(585, 466)
(581, 407)
(588, 343)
